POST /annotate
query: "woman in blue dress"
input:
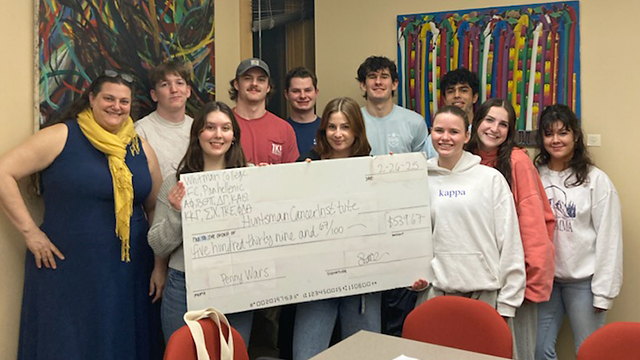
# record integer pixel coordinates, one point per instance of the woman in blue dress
(88, 266)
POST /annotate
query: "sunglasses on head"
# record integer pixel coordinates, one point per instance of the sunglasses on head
(114, 74)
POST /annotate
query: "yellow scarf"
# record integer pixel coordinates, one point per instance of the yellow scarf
(115, 147)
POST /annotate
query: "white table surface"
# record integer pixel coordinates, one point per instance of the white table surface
(372, 346)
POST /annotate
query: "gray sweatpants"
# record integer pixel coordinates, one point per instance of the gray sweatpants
(525, 327)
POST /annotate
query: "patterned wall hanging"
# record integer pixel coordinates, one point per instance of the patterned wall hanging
(528, 54)
(79, 39)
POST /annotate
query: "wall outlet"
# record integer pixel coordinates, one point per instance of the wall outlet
(594, 140)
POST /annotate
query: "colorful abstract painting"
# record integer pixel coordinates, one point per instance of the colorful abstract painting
(528, 54)
(79, 39)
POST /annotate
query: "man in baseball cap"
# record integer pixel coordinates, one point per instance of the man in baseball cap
(248, 64)
(266, 138)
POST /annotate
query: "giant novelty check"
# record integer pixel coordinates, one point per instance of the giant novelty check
(267, 236)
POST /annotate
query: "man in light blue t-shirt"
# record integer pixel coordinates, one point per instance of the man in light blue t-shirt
(390, 128)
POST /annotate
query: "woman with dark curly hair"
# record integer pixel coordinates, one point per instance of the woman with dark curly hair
(588, 233)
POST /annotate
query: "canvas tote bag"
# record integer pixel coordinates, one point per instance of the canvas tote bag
(226, 346)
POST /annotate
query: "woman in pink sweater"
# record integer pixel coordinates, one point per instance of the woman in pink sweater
(493, 139)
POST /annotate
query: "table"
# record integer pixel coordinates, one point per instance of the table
(372, 346)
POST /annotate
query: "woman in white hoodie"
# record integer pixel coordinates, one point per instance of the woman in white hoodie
(476, 241)
(588, 234)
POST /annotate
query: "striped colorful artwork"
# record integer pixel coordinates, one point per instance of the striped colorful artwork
(528, 54)
(78, 39)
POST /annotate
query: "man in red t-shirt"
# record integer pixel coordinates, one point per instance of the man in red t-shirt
(266, 138)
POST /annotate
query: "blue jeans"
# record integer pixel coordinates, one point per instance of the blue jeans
(315, 321)
(576, 300)
(174, 305)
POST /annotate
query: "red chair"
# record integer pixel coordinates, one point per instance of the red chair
(182, 347)
(460, 323)
(617, 340)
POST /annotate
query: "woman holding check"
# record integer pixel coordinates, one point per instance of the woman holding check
(341, 135)
(214, 144)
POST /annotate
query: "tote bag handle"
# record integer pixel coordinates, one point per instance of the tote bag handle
(226, 346)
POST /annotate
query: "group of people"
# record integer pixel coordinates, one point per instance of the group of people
(533, 241)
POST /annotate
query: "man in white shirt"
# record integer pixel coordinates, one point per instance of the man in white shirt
(167, 129)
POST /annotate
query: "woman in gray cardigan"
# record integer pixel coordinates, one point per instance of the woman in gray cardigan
(214, 144)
